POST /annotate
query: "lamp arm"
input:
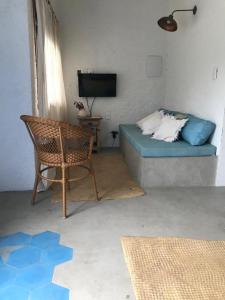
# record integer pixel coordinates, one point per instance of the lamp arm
(194, 10)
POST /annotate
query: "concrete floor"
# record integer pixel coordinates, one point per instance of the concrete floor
(98, 270)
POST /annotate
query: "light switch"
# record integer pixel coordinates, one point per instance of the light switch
(215, 73)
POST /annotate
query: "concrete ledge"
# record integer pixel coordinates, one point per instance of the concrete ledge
(169, 171)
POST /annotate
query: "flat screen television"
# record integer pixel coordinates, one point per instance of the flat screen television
(97, 85)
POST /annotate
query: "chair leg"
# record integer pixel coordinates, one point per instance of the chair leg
(68, 177)
(36, 182)
(64, 183)
(94, 182)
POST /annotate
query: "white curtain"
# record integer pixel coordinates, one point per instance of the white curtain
(50, 99)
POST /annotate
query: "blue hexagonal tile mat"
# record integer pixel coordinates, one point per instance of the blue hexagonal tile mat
(27, 270)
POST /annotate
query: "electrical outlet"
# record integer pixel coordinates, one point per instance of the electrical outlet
(108, 116)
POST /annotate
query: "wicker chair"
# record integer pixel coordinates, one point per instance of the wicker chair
(59, 144)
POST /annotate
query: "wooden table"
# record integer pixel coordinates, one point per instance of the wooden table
(93, 124)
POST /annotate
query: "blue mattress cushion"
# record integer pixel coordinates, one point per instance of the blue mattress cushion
(149, 147)
(196, 131)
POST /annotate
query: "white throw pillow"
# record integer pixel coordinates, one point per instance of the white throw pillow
(169, 129)
(150, 123)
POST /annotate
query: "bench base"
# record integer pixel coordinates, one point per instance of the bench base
(169, 171)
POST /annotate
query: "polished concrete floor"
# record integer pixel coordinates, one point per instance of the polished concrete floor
(98, 270)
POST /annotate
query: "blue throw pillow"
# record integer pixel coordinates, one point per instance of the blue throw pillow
(197, 131)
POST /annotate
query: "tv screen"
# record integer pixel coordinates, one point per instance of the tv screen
(97, 85)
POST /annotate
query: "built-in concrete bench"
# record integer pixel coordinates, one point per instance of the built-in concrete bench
(158, 163)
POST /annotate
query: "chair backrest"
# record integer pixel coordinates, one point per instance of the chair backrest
(51, 138)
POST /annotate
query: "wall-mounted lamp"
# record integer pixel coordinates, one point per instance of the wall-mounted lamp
(169, 24)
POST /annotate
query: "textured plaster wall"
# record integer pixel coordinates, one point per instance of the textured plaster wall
(113, 36)
(16, 151)
(193, 53)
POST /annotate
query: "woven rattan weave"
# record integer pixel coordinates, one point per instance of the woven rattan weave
(62, 145)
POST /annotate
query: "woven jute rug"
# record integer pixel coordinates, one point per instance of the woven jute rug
(113, 180)
(176, 269)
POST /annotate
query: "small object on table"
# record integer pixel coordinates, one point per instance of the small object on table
(81, 109)
(94, 124)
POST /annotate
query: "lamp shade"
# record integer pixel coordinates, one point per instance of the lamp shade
(168, 23)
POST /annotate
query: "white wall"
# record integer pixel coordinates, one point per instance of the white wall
(193, 51)
(113, 36)
(16, 151)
